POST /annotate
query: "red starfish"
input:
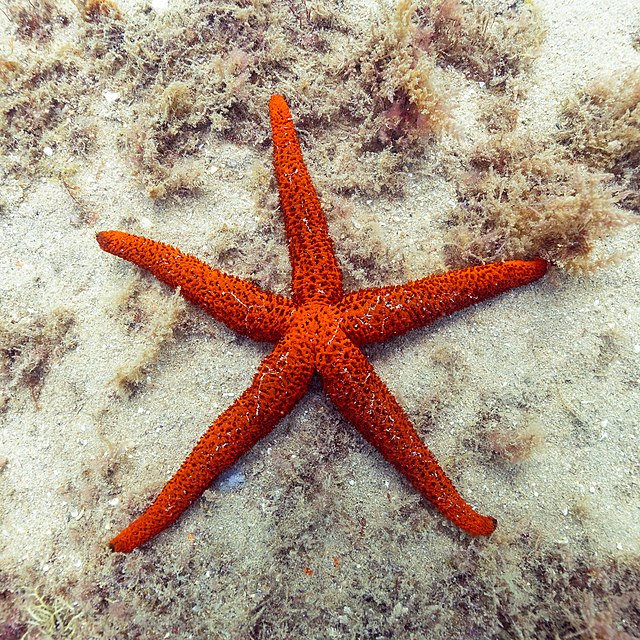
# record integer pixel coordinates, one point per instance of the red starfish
(319, 329)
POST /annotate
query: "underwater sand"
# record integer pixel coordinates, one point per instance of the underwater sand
(313, 534)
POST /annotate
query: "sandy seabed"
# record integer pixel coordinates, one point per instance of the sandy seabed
(312, 534)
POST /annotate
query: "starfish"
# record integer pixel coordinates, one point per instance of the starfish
(320, 328)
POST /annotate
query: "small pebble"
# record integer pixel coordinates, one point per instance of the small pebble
(111, 96)
(231, 480)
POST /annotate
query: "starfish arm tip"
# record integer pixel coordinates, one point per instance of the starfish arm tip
(107, 239)
(101, 237)
(138, 532)
(475, 523)
(540, 266)
(118, 545)
(491, 525)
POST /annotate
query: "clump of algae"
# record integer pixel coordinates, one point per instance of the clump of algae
(209, 73)
(201, 69)
(361, 587)
(162, 149)
(523, 198)
(401, 75)
(149, 312)
(400, 85)
(29, 347)
(51, 617)
(39, 98)
(601, 127)
(491, 42)
(36, 21)
(397, 100)
(209, 69)
(98, 10)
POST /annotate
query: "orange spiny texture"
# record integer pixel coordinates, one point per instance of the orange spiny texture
(319, 329)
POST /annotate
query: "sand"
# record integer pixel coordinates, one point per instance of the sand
(312, 534)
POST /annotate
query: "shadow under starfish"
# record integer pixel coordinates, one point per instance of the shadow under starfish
(320, 328)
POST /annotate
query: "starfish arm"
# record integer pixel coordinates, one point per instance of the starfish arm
(241, 305)
(366, 402)
(315, 274)
(280, 382)
(374, 315)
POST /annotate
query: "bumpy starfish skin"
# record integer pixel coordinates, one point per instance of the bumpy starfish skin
(319, 329)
